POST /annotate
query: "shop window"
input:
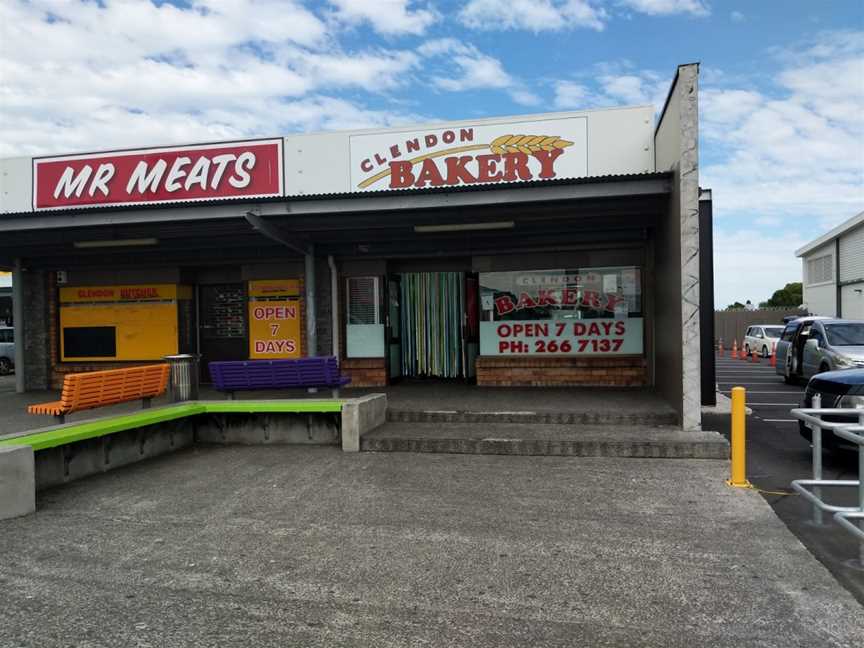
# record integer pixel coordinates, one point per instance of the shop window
(364, 331)
(820, 269)
(363, 307)
(579, 311)
(90, 341)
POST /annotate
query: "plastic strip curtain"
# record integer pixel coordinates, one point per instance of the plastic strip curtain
(433, 309)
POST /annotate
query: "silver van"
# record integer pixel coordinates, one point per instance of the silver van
(7, 350)
(811, 346)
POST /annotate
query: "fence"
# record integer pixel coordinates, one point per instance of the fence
(811, 489)
(732, 324)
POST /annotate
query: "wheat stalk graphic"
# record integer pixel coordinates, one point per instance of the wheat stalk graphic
(526, 144)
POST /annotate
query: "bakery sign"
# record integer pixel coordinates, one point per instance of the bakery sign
(229, 170)
(461, 155)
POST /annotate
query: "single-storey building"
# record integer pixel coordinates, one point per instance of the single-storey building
(548, 249)
(832, 269)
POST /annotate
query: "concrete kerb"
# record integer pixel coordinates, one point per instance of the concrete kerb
(359, 416)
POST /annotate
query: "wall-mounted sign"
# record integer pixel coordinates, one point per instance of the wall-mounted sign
(562, 337)
(150, 176)
(89, 294)
(274, 319)
(461, 155)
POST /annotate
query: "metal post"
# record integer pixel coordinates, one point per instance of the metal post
(861, 494)
(816, 432)
(18, 323)
(311, 321)
(739, 439)
(334, 308)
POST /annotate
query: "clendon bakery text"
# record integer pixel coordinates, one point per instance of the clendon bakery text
(186, 173)
(514, 152)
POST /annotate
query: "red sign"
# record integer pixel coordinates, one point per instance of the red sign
(182, 173)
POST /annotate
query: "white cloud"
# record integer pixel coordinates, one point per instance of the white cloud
(667, 7)
(533, 15)
(795, 150)
(475, 70)
(737, 16)
(79, 76)
(390, 17)
(752, 264)
(612, 86)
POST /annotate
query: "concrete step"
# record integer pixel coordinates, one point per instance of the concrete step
(546, 440)
(596, 417)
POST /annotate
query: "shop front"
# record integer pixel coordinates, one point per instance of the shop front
(549, 250)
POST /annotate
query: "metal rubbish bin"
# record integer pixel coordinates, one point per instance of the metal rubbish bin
(184, 376)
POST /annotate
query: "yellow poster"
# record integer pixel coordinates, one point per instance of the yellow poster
(274, 329)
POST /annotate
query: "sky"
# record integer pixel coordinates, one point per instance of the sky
(781, 87)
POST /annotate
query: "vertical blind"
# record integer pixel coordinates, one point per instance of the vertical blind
(433, 310)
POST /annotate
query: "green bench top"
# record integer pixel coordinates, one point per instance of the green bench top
(72, 432)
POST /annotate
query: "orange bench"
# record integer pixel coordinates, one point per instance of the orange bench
(99, 388)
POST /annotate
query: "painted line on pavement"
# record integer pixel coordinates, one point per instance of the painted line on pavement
(781, 420)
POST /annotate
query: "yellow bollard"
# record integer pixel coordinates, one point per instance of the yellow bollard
(739, 442)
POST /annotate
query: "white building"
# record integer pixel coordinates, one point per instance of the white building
(833, 271)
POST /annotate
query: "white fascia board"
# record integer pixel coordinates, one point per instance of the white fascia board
(829, 236)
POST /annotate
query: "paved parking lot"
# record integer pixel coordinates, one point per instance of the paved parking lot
(302, 546)
(777, 454)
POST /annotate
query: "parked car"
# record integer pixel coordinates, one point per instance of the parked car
(837, 389)
(813, 345)
(761, 339)
(7, 350)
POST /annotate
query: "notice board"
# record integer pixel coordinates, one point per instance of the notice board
(274, 319)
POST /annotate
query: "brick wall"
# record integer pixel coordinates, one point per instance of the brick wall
(37, 286)
(562, 371)
(365, 372)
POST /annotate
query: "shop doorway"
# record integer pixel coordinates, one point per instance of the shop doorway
(437, 324)
(222, 324)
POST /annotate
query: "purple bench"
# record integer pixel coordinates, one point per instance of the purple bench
(237, 375)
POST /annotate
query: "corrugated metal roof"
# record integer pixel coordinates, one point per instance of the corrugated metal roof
(654, 175)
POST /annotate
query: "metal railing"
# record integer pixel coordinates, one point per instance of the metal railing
(811, 489)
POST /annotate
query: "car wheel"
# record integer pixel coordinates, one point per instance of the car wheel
(747, 349)
(764, 351)
(823, 368)
(5, 366)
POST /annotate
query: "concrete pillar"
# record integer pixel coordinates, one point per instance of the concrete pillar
(311, 319)
(18, 322)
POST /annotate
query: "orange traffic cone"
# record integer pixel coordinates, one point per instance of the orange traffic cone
(774, 354)
(734, 354)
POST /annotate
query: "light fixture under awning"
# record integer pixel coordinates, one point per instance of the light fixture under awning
(464, 227)
(115, 243)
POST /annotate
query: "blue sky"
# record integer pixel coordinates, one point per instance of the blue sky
(782, 86)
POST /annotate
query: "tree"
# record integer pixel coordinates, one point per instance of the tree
(789, 296)
(736, 306)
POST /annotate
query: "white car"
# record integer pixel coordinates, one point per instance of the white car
(7, 350)
(761, 338)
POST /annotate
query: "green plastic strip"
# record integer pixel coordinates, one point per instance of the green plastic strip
(73, 432)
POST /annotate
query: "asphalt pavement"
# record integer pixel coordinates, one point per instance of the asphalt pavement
(777, 454)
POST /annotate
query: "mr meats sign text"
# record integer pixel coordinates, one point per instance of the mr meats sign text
(482, 154)
(176, 174)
